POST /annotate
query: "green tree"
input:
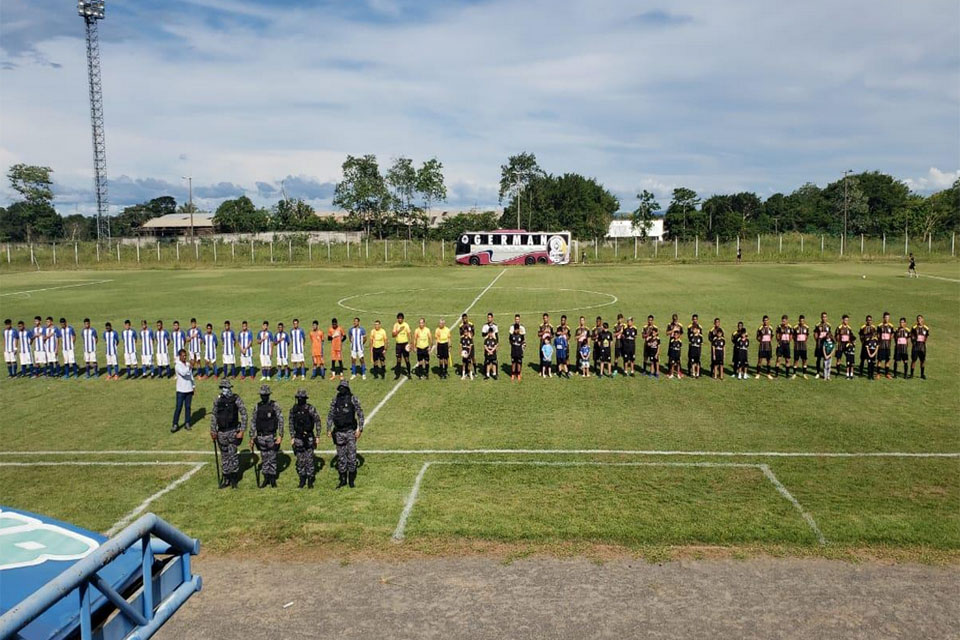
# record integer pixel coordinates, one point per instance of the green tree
(240, 215)
(519, 170)
(430, 186)
(402, 179)
(569, 202)
(363, 192)
(32, 182)
(78, 227)
(455, 226)
(848, 206)
(643, 216)
(680, 217)
(293, 215)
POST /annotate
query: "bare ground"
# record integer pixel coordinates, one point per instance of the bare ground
(546, 597)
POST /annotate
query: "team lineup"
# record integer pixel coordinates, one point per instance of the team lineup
(50, 350)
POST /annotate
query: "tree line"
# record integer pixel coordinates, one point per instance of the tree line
(398, 203)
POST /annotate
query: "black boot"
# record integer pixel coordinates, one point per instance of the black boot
(265, 482)
(310, 482)
(273, 482)
(343, 480)
(303, 482)
(233, 479)
(351, 477)
(225, 480)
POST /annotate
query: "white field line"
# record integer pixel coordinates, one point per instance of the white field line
(398, 533)
(89, 463)
(789, 496)
(125, 520)
(65, 286)
(939, 278)
(461, 452)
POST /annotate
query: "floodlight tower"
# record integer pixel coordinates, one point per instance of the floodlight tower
(91, 11)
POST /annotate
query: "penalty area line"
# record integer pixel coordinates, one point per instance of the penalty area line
(66, 286)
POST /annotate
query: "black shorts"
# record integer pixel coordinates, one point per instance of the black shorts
(443, 350)
(717, 359)
(629, 352)
(516, 356)
(562, 356)
(378, 353)
(694, 355)
(490, 359)
(468, 357)
(765, 353)
(918, 354)
(851, 358)
(900, 355)
(546, 364)
(647, 352)
(401, 349)
(743, 358)
(783, 350)
(883, 354)
(800, 354)
(604, 354)
(423, 354)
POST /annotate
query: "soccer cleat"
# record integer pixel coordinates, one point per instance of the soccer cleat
(363, 377)
(816, 376)
(804, 376)
(769, 377)
(758, 376)
(352, 376)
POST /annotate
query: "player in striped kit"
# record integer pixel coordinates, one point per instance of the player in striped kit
(51, 339)
(163, 350)
(129, 338)
(146, 350)
(209, 352)
(265, 340)
(298, 339)
(193, 344)
(228, 338)
(178, 339)
(24, 337)
(10, 340)
(68, 346)
(110, 343)
(282, 340)
(358, 342)
(245, 340)
(36, 343)
(89, 337)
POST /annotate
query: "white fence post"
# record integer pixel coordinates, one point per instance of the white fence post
(8, 254)
(385, 243)
(404, 250)
(54, 253)
(423, 246)
(861, 244)
(158, 251)
(118, 252)
(780, 247)
(138, 251)
(616, 247)
(596, 249)
(76, 254)
(443, 252)
(758, 244)
(32, 260)
(178, 250)
(271, 250)
(233, 250)
(366, 247)
(98, 252)
(214, 250)
(906, 242)
(290, 249)
(251, 250)
(718, 245)
(821, 244)
(929, 246)
(953, 244)
(843, 242)
(801, 243)
(884, 249)
(348, 248)
(309, 250)
(696, 247)
(634, 247)
(328, 248)
(676, 248)
(196, 249)
(656, 248)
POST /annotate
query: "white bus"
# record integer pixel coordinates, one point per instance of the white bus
(513, 246)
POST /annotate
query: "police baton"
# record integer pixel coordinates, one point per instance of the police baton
(256, 468)
(216, 457)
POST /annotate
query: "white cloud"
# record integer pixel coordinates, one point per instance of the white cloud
(935, 180)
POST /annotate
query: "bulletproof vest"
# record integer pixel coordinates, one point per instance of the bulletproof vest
(344, 417)
(227, 414)
(265, 420)
(301, 422)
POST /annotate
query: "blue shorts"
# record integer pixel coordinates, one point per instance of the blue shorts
(562, 355)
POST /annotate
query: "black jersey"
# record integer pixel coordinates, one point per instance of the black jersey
(919, 336)
(466, 346)
(690, 328)
(629, 336)
(674, 348)
(885, 332)
(801, 333)
(605, 339)
(653, 343)
(742, 344)
(765, 337)
(784, 333)
(490, 344)
(714, 334)
(871, 344)
(696, 342)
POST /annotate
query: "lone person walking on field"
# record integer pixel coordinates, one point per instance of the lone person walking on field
(185, 386)
(345, 424)
(228, 421)
(304, 424)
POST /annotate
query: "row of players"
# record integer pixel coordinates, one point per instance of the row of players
(50, 350)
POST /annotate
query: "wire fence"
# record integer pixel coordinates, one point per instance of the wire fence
(208, 252)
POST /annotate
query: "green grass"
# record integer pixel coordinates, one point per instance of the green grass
(883, 505)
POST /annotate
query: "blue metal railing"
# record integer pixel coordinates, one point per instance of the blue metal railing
(83, 575)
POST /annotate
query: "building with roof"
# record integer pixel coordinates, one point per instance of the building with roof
(623, 228)
(178, 224)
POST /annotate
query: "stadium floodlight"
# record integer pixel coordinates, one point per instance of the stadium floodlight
(91, 11)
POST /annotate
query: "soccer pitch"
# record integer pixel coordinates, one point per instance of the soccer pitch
(786, 466)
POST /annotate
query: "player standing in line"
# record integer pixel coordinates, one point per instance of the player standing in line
(490, 345)
(490, 326)
(10, 339)
(901, 338)
(867, 330)
(298, 341)
(68, 342)
(716, 331)
(646, 333)
(673, 326)
(742, 350)
(618, 345)
(51, 343)
(423, 342)
(146, 350)
(717, 355)
(850, 352)
(335, 336)
(595, 337)
(546, 358)
(38, 343)
(163, 350)
(209, 351)
(820, 333)
(401, 339)
(784, 333)
(828, 346)
(378, 348)
(194, 338)
(518, 342)
(316, 350)
(24, 338)
(846, 339)
(919, 335)
(129, 338)
(561, 345)
(466, 349)
(801, 333)
(245, 342)
(441, 337)
(885, 333)
(178, 341)
(282, 340)
(545, 328)
(629, 347)
(912, 269)
(582, 336)
(228, 353)
(873, 344)
(265, 340)
(694, 323)
(583, 358)
(606, 351)
(358, 347)
(694, 350)
(765, 346)
(110, 343)
(674, 351)
(653, 349)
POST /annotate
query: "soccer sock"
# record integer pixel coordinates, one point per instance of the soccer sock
(768, 368)
(353, 369)
(363, 369)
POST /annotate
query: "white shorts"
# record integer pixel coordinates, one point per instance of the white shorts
(40, 357)
(281, 361)
(296, 358)
(246, 361)
(90, 356)
(194, 355)
(229, 359)
(266, 362)
(146, 359)
(129, 359)
(356, 354)
(112, 359)
(10, 357)
(163, 359)
(25, 358)
(69, 357)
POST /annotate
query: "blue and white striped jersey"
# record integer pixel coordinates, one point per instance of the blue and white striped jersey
(209, 347)
(356, 337)
(297, 340)
(146, 342)
(193, 336)
(89, 336)
(266, 344)
(229, 340)
(245, 338)
(129, 337)
(51, 339)
(37, 338)
(178, 339)
(25, 338)
(68, 337)
(283, 344)
(163, 341)
(10, 340)
(111, 340)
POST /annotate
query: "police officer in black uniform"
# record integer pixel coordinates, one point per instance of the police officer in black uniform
(304, 423)
(266, 432)
(228, 421)
(345, 425)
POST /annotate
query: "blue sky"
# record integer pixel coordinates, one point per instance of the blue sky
(716, 96)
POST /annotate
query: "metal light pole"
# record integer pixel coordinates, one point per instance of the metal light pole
(91, 11)
(189, 180)
(518, 185)
(845, 174)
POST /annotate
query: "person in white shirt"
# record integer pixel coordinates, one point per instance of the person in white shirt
(185, 386)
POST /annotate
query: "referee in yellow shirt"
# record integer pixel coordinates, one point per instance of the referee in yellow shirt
(442, 338)
(401, 336)
(422, 339)
(378, 347)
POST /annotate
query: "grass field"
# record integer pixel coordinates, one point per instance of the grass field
(639, 464)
